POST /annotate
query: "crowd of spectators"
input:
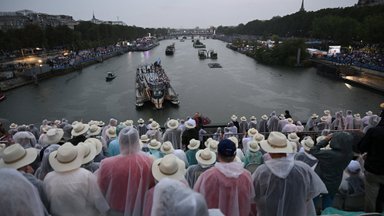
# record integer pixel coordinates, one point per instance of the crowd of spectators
(275, 166)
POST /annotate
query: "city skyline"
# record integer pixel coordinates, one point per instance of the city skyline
(166, 13)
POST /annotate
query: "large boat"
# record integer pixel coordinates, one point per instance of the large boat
(198, 44)
(202, 53)
(153, 84)
(170, 50)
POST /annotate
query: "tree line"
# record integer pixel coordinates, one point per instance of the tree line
(343, 25)
(84, 35)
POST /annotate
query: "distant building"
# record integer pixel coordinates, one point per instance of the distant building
(97, 21)
(370, 2)
(302, 6)
(19, 19)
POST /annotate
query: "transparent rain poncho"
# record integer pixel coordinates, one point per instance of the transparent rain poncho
(18, 195)
(228, 187)
(45, 166)
(124, 179)
(74, 192)
(173, 198)
(25, 139)
(174, 136)
(286, 187)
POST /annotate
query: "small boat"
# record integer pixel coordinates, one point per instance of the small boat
(212, 54)
(214, 65)
(202, 53)
(170, 50)
(181, 40)
(198, 44)
(110, 76)
(2, 96)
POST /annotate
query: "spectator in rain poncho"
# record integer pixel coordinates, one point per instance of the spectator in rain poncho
(239, 153)
(169, 166)
(167, 148)
(305, 156)
(112, 123)
(252, 123)
(67, 132)
(292, 137)
(339, 122)
(172, 198)
(299, 126)
(16, 157)
(113, 146)
(251, 133)
(173, 134)
(182, 156)
(72, 190)
(289, 127)
(235, 123)
(349, 120)
(253, 154)
(357, 122)
(45, 166)
(53, 136)
(282, 122)
(311, 123)
(218, 135)
(144, 141)
(243, 127)
(273, 122)
(332, 162)
(205, 158)
(227, 186)
(227, 133)
(25, 138)
(154, 149)
(366, 118)
(372, 122)
(189, 133)
(327, 113)
(193, 147)
(18, 195)
(154, 131)
(263, 124)
(125, 178)
(94, 135)
(232, 128)
(34, 130)
(282, 185)
(79, 132)
(141, 127)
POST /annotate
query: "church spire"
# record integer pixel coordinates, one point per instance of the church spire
(302, 6)
(93, 15)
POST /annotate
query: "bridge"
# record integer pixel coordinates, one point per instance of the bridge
(192, 32)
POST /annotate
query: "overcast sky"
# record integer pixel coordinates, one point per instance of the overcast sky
(173, 13)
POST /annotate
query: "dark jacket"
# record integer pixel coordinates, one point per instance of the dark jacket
(333, 162)
(373, 144)
(189, 134)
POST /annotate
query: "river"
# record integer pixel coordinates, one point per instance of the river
(241, 87)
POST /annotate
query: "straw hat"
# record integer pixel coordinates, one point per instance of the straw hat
(357, 115)
(15, 156)
(96, 143)
(94, 130)
(327, 112)
(213, 145)
(154, 125)
(293, 137)
(264, 117)
(242, 118)
(167, 148)
(173, 124)
(205, 157)
(111, 132)
(319, 138)
(150, 120)
(253, 146)
(234, 118)
(100, 123)
(169, 166)
(290, 120)
(314, 116)
(13, 126)
(79, 129)
(144, 138)
(252, 132)
(193, 144)
(89, 151)
(234, 140)
(276, 143)
(252, 118)
(324, 118)
(206, 143)
(154, 144)
(190, 123)
(307, 143)
(92, 122)
(75, 122)
(382, 105)
(53, 136)
(369, 113)
(259, 137)
(140, 121)
(128, 123)
(68, 157)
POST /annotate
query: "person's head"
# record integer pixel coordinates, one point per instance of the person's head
(226, 151)
(286, 112)
(277, 145)
(113, 122)
(129, 141)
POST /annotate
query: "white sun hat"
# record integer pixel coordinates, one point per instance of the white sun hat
(234, 140)
(94, 130)
(253, 146)
(205, 157)
(258, 137)
(96, 143)
(173, 124)
(243, 118)
(193, 144)
(252, 132)
(190, 123)
(67, 157)
(154, 125)
(169, 166)
(111, 132)
(293, 137)
(89, 151)
(79, 129)
(53, 136)
(154, 144)
(234, 117)
(15, 156)
(276, 143)
(307, 143)
(213, 145)
(264, 117)
(167, 148)
(140, 121)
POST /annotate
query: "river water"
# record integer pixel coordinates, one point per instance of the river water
(241, 87)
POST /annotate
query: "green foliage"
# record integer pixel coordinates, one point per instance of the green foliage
(343, 25)
(85, 35)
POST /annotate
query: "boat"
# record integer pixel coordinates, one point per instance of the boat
(212, 54)
(2, 96)
(202, 53)
(153, 85)
(181, 40)
(170, 50)
(214, 65)
(198, 44)
(110, 76)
